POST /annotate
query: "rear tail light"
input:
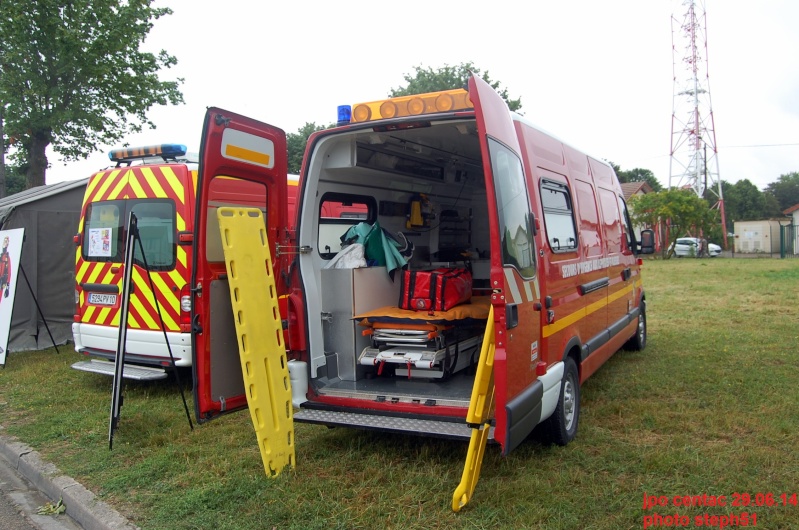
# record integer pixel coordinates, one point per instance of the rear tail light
(76, 315)
(185, 309)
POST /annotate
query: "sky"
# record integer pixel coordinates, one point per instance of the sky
(597, 74)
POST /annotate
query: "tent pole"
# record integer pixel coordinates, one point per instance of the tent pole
(35, 301)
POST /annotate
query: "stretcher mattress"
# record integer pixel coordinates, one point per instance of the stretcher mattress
(460, 314)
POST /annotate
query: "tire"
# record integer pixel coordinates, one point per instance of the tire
(561, 427)
(638, 341)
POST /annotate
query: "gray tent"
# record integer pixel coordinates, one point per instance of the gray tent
(50, 217)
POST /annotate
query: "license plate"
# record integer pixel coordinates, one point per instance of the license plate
(102, 299)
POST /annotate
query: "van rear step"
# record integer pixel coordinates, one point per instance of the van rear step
(130, 371)
(441, 429)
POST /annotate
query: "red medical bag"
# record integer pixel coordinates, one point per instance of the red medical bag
(436, 290)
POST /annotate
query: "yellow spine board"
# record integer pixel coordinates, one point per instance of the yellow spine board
(480, 408)
(253, 295)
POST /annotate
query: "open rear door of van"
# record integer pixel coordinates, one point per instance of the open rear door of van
(243, 163)
(513, 267)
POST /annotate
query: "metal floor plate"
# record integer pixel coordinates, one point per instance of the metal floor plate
(441, 429)
(130, 371)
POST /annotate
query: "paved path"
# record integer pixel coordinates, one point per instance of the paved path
(28, 482)
(19, 502)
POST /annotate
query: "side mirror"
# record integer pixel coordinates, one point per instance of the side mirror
(647, 241)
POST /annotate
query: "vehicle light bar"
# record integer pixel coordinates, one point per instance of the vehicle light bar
(415, 105)
(132, 153)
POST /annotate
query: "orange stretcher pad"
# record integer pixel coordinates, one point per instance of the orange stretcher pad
(432, 320)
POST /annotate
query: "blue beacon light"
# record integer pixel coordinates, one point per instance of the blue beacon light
(344, 115)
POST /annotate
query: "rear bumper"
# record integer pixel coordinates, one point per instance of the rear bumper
(145, 347)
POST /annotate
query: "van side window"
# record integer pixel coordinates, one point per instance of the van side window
(612, 225)
(558, 216)
(589, 219)
(626, 225)
(338, 212)
(513, 209)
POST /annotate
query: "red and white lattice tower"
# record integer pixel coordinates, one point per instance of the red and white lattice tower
(694, 156)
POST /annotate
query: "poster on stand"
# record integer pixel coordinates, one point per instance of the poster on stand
(10, 252)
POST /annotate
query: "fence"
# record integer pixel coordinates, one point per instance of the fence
(789, 241)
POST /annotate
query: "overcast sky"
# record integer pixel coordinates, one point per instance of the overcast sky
(598, 74)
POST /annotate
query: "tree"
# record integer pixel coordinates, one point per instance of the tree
(682, 209)
(72, 76)
(296, 144)
(15, 180)
(638, 175)
(447, 78)
(744, 202)
(3, 189)
(785, 190)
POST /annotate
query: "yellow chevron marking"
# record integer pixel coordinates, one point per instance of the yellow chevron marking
(148, 321)
(108, 278)
(82, 271)
(174, 182)
(90, 187)
(155, 182)
(102, 314)
(88, 315)
(182, 257)
(104, 184)
(116, 193)
(177, 280)
(95, 273)
(136, 186)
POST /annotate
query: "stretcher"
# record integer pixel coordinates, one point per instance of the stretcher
(432, 345)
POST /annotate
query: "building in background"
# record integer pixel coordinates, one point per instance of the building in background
(758, 237)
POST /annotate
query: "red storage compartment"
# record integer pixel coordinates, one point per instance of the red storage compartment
(437, 290)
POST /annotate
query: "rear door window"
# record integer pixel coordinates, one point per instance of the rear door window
(106, 232)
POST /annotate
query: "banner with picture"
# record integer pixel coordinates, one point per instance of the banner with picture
(10, 252)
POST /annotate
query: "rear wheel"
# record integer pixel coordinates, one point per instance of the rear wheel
(561, 427)
(638, 341)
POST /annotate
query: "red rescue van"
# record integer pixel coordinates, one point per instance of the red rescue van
(462, 184)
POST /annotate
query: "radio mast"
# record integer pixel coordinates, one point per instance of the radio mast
(694, 157)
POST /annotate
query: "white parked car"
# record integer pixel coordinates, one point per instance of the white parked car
(689, 246)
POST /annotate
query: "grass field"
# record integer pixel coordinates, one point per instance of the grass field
(710, 407)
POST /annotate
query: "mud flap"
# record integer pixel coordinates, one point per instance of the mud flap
(254, 298)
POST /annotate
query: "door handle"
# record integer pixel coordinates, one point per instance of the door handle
(511, 316)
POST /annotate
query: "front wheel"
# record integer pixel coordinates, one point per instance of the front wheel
(638, 341)
(561, 427)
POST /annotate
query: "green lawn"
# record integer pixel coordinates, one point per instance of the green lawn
(710, 407)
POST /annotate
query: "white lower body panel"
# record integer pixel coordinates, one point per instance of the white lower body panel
(146, 347)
